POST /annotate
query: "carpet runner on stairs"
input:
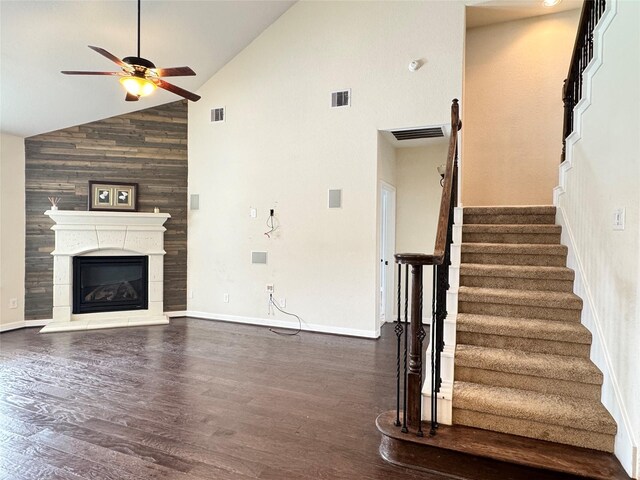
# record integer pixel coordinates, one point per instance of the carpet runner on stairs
(522, 357)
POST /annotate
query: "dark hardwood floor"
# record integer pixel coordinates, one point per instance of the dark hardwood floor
(194, 400)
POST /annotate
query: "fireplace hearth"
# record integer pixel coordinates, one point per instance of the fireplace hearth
(107, 270)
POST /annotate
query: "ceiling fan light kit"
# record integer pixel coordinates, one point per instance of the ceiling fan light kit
(138, 86)
(139, 76)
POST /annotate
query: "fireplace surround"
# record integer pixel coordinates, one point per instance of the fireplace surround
(95, 234)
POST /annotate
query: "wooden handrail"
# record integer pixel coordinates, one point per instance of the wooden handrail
(440, 260)
(437, 257)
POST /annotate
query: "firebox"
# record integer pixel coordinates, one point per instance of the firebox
(110, 283)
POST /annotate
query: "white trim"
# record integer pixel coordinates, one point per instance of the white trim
(271, 322)
(177, 313)
(24, 324)
(626, 446)
(585, 101)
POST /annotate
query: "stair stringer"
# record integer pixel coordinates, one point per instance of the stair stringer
(445, 396)
(627, 447)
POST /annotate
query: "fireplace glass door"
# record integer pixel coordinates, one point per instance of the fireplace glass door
(110, 284)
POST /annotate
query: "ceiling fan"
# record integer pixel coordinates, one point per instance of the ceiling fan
(140, 76)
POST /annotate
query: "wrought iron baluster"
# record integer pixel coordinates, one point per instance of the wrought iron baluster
(406, 337)
(398, 329)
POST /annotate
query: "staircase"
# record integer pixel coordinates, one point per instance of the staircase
(522, 358)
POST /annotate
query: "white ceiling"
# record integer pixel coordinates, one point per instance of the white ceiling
(40, 38)
(488, 12)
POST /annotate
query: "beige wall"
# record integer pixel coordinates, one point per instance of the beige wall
(513, 109)
(419, 194)
(418, 202)
(387, 174)
(282, 146)
(604, 176)
(12, 228)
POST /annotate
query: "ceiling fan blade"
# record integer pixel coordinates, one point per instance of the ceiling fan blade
(175, 72)
(131, 98)
(110, 56)
(177, 90)
(74, 72)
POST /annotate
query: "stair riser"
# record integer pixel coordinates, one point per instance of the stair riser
(515, 259)
(525, 428)
(522, 311)
(510, 238)
(509, 219)
(534, 345)
(527, 382)
(516, 283)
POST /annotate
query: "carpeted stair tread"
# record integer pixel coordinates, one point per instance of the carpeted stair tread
(512, 210)
(524, 328)
(517, 271)
(515, 248)
(532, 298)
(560, 367)
(512, 228)
(549, 234)
(571, 412)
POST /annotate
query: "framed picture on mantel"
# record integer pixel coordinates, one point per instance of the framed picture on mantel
(113, 196)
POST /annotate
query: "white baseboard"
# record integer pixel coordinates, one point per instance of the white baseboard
(177, 314)
(24, 324)
(272, 322)
(626, 445)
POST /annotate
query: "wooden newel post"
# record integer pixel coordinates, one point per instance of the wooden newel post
(414, 384)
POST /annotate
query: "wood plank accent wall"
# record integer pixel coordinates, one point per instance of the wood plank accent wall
(148, 147)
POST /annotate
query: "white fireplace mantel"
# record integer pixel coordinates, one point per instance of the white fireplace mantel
(96, 233)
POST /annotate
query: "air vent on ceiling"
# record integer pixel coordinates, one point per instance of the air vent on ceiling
(217, 114)
(415, 133)
(341, 98)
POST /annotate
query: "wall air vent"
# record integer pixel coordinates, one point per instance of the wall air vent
(217, 115)
(341, 98)
(416, 133)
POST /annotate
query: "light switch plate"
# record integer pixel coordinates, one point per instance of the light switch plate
(618, 218)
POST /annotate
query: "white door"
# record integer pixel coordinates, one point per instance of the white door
(387, 249)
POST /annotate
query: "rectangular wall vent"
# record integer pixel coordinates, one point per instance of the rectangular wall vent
(335, 198)
(341, 98)
(217, 115)
(259, 257)
(415, 133)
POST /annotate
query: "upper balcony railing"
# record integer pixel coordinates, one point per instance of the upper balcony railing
(592, 11)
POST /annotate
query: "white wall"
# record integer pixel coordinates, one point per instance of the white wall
(12, 229)
(513, 109)
(605, 175)
(283, 147)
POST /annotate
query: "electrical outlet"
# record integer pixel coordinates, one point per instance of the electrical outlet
(189, 293)
(283, 302)
(253, 213)
(269, 287)
(618, 218)
(226, 298)
(13, 303)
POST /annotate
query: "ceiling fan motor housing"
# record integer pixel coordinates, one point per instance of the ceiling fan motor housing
(139, 61)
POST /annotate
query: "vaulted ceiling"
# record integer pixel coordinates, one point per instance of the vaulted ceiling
(40, 38)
